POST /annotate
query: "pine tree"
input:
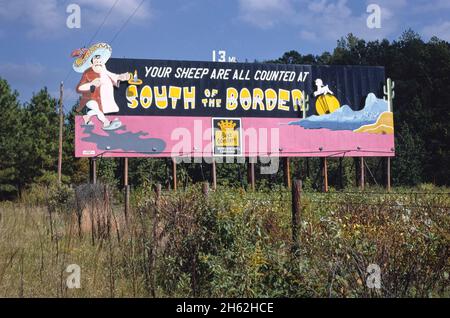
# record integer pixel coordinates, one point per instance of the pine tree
(10, 127)
(39, 157)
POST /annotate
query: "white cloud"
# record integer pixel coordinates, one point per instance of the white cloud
(96, 11)
(322, 19)
(308, 35)
(264, 13)
(47, 18)
(426, 6)
(28, 73)
(441, 30)
(41, 17)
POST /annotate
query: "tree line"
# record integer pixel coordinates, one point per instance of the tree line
(420, 69)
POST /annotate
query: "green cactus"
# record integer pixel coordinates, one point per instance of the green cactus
(389, 93)
(304, 103)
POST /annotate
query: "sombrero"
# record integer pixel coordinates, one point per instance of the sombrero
(84, 56)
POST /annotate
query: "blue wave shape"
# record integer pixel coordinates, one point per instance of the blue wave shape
(345, 118)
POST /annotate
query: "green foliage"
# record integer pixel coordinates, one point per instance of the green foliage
(107, 168)
(61, 199)
(150, 170)
(39, 143)
(238, 244)
(10, 130)
(408, 165)
(49, 178)
(76, 168)
(232, 243)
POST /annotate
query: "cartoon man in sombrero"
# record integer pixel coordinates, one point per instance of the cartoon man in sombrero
(96, 84)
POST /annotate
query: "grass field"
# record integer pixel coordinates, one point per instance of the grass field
(231, 243)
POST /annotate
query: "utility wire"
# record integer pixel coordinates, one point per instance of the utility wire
(126, 22)
(103, 23)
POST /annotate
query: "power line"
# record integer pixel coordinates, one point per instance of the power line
(104, 20)
(126, 22)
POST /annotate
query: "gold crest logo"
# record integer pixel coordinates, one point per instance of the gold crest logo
(226, 124)
(227, 134)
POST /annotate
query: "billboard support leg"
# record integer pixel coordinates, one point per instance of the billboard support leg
(126, 188)
(362, 181)
(251, 173)
(307, 168)
(325, 174)
(370, 172)
(214, 174)
(388, 177)
(174, 174)
(93, 171)
(61, 126)
(205, 188)
(287, 173)
(296, 211)
(341, 173)
(153, 251)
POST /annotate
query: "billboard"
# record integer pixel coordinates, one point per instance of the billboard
(167, 108)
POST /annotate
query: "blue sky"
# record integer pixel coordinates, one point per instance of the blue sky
(36, 43)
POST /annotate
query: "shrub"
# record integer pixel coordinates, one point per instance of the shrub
(238, 244)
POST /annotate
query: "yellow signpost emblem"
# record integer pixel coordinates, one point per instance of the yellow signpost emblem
(227, 136)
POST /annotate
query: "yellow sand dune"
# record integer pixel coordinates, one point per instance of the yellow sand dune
(384, 125)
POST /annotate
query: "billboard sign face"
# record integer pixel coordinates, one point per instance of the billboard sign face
(165, 108)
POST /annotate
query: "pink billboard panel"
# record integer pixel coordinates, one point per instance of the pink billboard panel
(158, 136)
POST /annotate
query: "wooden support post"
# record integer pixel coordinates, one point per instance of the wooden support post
(94, 170)
(174, 173)
(127, 202)
(251, 174)
(249, 179)
(158, 190)
(153, 251)
(125, 171)
(205, 188)
(388, 177)
(325, 175)
(287, 173)
(308, 172)
(214, 174)
(296, 210)
(61, 125)
(341, 173)
(362, 167)
(126, 188)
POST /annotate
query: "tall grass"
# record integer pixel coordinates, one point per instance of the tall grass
(230, 243)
